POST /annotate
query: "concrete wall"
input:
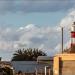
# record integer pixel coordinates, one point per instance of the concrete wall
(67, 68)
(64, 64)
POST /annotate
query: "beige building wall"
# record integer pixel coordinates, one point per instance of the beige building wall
(64, 64)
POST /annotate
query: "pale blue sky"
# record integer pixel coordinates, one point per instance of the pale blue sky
(37, 18)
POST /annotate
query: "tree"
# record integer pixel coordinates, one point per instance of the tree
(27, 54)
(70, 50)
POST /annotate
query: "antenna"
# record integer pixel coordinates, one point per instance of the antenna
(62, 39)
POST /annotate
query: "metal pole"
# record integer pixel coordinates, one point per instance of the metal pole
(62, 39)
(49, 71)
(45, 70)
(36, 72)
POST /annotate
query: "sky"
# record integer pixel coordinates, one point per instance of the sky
(34, 24)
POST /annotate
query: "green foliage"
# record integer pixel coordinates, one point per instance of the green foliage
(27, 54)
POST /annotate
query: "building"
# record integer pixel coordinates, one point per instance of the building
(31, 66)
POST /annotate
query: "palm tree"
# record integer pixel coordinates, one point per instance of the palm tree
(27, 54)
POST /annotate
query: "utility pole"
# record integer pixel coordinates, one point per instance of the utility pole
(62, 39)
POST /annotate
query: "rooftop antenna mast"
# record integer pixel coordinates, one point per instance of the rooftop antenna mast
(62, 39)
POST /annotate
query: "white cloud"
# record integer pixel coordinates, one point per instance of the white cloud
(29, 36)
(57, 48)
(30, 26)
(67, 21)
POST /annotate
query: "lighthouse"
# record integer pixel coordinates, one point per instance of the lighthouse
(73, 38)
